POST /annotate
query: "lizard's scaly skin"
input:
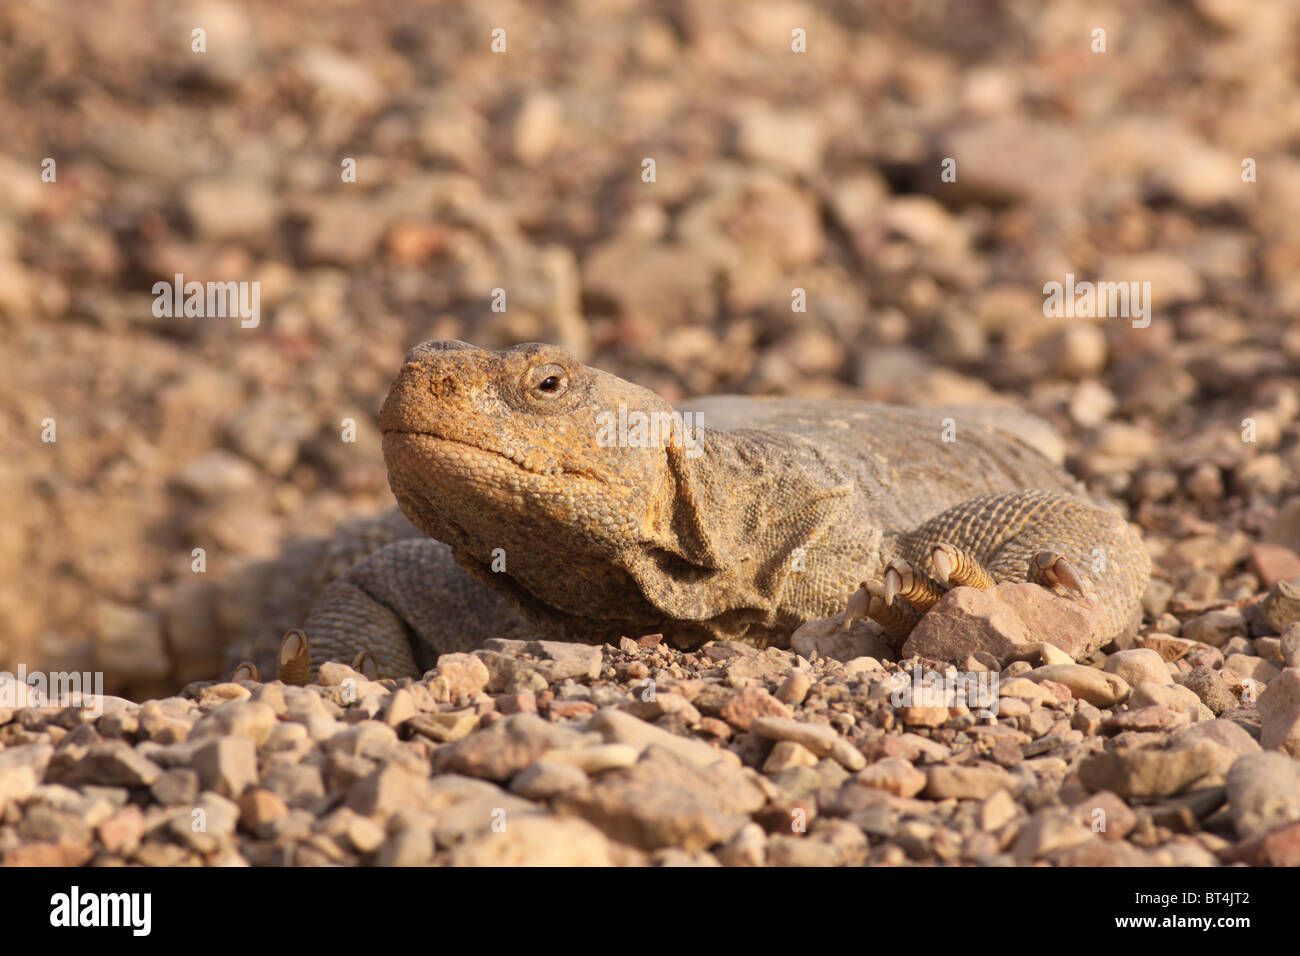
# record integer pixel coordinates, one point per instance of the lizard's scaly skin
(767, 515)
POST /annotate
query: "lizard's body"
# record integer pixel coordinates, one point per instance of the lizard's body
(766, 516)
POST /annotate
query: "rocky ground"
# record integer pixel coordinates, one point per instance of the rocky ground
(566, 754)
(776, 171)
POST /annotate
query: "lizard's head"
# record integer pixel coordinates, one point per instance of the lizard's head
(522, 447)
(605, 508)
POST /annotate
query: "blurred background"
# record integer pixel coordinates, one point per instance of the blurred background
(776, 169)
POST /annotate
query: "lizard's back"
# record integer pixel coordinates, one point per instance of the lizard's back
(908, 463)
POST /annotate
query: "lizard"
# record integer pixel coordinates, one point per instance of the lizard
(545, 498)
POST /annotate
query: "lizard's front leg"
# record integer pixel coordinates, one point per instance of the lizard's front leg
(1053, 539)
(393, 613)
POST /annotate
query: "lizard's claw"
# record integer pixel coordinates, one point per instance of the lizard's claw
(944, 561)
(245, 671)
(859, 606)
(898, 577)
(957, 568)
(1051, 570)
(364, 664)
(294, 661)
(868, 601)
(902, 581)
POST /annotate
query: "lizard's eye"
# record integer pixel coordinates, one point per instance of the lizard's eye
(548, 381)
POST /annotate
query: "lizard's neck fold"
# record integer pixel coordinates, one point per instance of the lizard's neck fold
(730, 521)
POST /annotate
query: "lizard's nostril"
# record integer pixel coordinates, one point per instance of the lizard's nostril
(446, 385)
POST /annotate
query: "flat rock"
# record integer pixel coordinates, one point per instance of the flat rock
(1050, 830)
(17, 783)
(1105, 813)
(247, 718)
(33, 755)
(596, 758)
(748, 703)
(542, 840)
(1225, 733)
(666, 702)
(111, 763)
(1216, 628)
(1150, 719)
(826, 637)
(1214, 692)
(1263, 792)
(557, 660)
(893, 775)
(546, 779)
(1172, 696)
(1279, 714)
(821, 739)
(1252, 667)
(1281, 606)
(617, 727)
(1086, 683)
(666, 800)
(507, 674)
(1169, 647)
(505, 748)
(458, 675)
(1137, 665)
(445, 727)
(387, 790)
(1148, 774)
(1289, 646)
(1004, 621)
(1277, 847)
(923, 716)
(786, 754)
(964, 783)
(995, 171)
(1272, 563)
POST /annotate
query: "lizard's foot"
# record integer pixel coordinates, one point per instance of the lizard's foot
(898, 601)
(1051, 539)
(904, 595)
(1051, 570)
(957, 567)
(868, 602)
(294, 660)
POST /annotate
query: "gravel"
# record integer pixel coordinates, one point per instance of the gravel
(303, 775)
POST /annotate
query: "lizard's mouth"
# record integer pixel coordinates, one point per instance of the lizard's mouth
(462, 454)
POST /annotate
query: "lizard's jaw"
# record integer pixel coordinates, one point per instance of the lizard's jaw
(457, 492)
(447, 486)
(455, 479)
(425, 452)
